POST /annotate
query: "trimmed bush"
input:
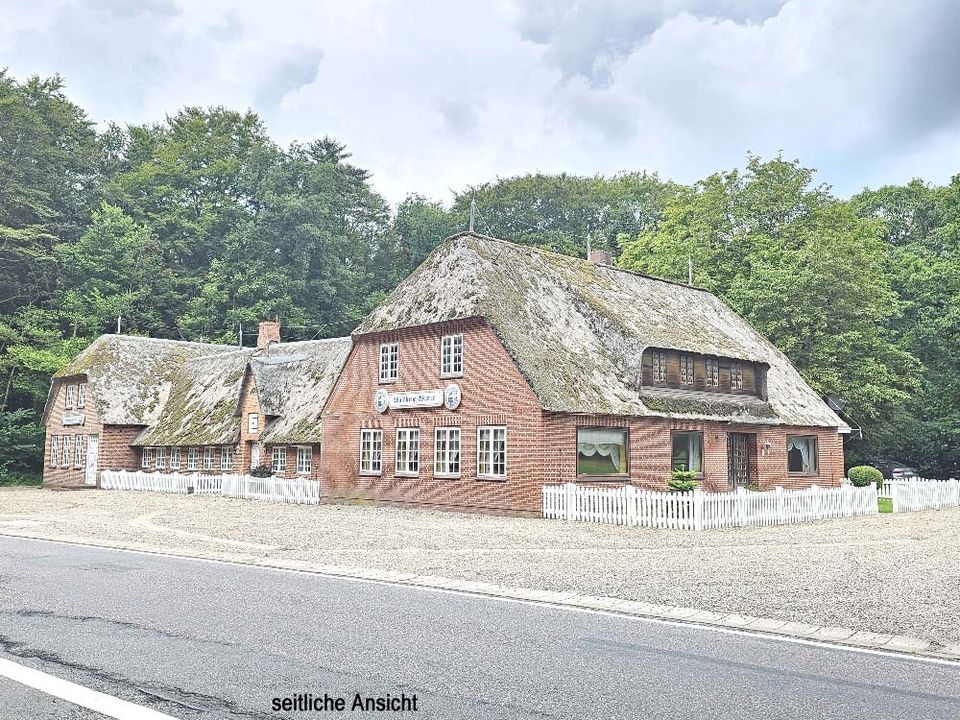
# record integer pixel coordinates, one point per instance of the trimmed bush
(263, 471)
(863, 475)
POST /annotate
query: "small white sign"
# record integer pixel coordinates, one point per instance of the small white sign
(73, 420)
(416, 399)
(381, 400)
(451, 396)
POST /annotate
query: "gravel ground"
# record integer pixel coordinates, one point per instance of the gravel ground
(887, 573)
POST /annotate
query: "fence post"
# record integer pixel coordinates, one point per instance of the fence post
(570, 491)
(630, 498)
(895, 497)
(781, 505)
(697, 509)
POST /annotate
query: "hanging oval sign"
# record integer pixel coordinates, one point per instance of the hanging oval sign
(451, 396)
(381, 401)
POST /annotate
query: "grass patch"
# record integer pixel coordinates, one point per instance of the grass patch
(19, 479)
(885, 505)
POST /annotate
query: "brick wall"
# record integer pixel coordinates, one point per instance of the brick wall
(70, 473)
(249, 403)
(493, 393)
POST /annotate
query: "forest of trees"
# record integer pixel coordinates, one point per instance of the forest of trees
(196, 225)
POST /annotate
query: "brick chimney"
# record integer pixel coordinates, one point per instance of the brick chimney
(269, 333)
(600, 257)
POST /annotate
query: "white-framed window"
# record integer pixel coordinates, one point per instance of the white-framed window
(713, 372)
(54, 450)
(389, 362)
(226, 457)
(253, 422)
(304, 460)
(408, 451)
(146, 460)
(67, 445)
(371, 451)
(193, 459)
(68, 396)
(451, 356)
(82, 395)
(208, 458)
(279, 458)
(687, 451)
(446, 451)
(492, 452)
(659, 366)
(736, 376)
(161, 457)
(802, 454)
(78, 447)
(686, 369)
(602, 451)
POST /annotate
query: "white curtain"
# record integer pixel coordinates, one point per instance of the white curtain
(696, 461)
(599, 441)
(803, 445)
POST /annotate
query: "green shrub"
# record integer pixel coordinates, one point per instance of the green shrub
(263, 471)
(683, 481)
(863, 475)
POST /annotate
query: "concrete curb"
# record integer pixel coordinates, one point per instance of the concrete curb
(841, 637)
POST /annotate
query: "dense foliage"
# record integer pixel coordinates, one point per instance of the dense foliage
(864, 475)
(200, 225)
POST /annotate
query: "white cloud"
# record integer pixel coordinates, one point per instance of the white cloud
(434, 95)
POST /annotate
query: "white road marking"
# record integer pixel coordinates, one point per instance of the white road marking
(689, 624)
(78, 694)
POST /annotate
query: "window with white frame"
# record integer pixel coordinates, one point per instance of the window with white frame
(78, 448)
(175, 458)
(408, 451)
(686, 370)
(659, 366)
(161, 457)
(208, 458)
(713, 372)
(279, 457)
(371, 451)
(193, 459)
(146, 460)
(54, 450)
(602, 451)
(492, 452)
(82, 395)
(389, 362)
(226, 457)
(451, 356)
(736, 376)
(446, 451)
(687, 451)
(304, 460)
(802, 454)
(253, 422)
(68, 396)
(67, 443)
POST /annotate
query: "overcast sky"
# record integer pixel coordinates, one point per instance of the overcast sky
(433, 96)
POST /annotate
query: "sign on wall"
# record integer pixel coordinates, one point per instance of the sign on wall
(73, 419)
(449, 397)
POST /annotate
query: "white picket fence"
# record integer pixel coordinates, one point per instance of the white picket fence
(917, 494)
(147, 482)
(697, 510)
(301, 491)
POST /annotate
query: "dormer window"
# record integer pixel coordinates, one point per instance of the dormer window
(686, 370)
(659, 366)
(451, 356)
(68, 397)
(389, 362)
(713, 372)
(736, 376)
(82, 395)
(253, 423)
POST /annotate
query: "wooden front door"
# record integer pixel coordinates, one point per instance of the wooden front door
(738, 460)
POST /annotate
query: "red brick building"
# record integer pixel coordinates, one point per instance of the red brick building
(493, 369)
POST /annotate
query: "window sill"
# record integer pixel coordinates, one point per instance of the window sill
(371, 473)
(408, 475)
(388, 382)
(451, 376)
(803, 473)
(492, 478)
(447, 476)
(602, 478)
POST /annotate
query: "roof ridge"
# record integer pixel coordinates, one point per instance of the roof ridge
(582, 261)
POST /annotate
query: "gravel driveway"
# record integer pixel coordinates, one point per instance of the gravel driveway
(886, 573)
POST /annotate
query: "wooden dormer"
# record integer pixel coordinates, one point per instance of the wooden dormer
(677, 370)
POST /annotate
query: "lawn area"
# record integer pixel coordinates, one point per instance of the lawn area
(885, 505)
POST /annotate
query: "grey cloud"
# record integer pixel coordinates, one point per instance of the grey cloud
(230, 27)
(290, 75)
(588, 38)
(459, 116)
(133, 8)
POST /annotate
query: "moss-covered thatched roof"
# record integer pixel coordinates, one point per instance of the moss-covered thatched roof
(576, 329)
(186, 393)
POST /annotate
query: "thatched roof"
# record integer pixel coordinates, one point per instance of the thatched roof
(576, 330)
(186, 393)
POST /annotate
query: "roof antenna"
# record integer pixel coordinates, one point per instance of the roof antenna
(690, 269)
(118, 324)
(240, 335)
(473, 212)
(588, 247)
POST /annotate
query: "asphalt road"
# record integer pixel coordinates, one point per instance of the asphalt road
(197, 639)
